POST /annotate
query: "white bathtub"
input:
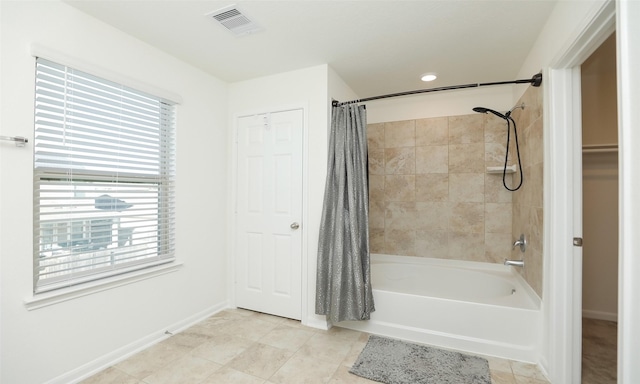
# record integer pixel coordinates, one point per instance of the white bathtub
(475, 307)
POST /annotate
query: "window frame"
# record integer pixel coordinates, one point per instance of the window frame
(165, 182)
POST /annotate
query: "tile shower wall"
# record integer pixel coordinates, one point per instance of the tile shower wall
(527, 202)
(430, 195)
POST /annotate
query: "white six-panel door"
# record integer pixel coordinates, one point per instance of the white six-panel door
(269, 213)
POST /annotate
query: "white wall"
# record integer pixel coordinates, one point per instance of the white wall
(565, 24)
(445, 103)
(69, 339)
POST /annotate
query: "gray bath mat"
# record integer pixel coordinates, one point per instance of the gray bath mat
(397, 362)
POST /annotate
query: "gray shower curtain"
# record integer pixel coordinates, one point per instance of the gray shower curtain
(343, 285)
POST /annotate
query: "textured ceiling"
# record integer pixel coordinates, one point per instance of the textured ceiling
(377, 47)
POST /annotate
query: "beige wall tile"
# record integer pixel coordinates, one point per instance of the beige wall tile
(498, 217)
(523, 146)
(497, 247)
(432, 159)
(400, 161)
(466, 129)
(532, 270)
(400, 215)
(399, 242)
(466, 158)
(466, 246)
(494, 190)
(400, 134)
(527, 202)
(375, 135)
(536, 228)
(399, 187)
(432, 244)
(536, 143)
(376, 240)
(494, 155)
(433, 131)
(520, 220)
(466, 187)
(376, 161)
(495, 130)
(431, 216)
(523, 195)
(466, 218)
(432, 187)
(523, 116)
(376, 213)
(536, 185)
(448, 206)
(376, 188)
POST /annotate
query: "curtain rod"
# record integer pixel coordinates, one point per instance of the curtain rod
(536, 80)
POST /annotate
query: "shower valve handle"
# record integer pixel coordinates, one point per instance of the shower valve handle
(521, 242)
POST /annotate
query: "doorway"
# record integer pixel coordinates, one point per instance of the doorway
(600, 215)
(268, 260)
(563, 285)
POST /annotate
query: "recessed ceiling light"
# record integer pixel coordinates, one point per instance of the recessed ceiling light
(428, 77)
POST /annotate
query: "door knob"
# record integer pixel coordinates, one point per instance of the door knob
(294, 225)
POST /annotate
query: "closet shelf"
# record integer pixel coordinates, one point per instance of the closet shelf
(600, 148)
(510, 169)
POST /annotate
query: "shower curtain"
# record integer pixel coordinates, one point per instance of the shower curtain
(343, 285)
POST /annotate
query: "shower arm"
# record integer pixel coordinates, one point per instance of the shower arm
(521, 106)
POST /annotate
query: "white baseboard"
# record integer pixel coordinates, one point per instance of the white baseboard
(599, 315)
(318, 322)
(120, 354)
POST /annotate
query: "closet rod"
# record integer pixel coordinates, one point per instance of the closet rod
(536, 80)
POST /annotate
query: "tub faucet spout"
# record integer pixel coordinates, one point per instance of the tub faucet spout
(515, 263)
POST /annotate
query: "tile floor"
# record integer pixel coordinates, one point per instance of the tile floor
(599, 351)
(239, 346)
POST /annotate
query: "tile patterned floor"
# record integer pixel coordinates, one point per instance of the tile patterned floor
(244, 347)
(599, 351)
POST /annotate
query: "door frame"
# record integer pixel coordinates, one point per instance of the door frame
(563, 196)
(233, 199)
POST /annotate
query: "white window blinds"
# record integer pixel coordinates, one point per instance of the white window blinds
(104, 170)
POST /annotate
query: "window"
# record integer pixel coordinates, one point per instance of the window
(104, 170)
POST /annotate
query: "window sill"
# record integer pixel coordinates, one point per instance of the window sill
(45, 299)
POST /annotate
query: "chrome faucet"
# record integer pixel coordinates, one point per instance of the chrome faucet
(515, 263)
(522, 243)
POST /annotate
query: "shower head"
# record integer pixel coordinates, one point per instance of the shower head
(486, 110)
(500, 115)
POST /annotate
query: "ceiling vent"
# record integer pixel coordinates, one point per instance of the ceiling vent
(235, 21)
